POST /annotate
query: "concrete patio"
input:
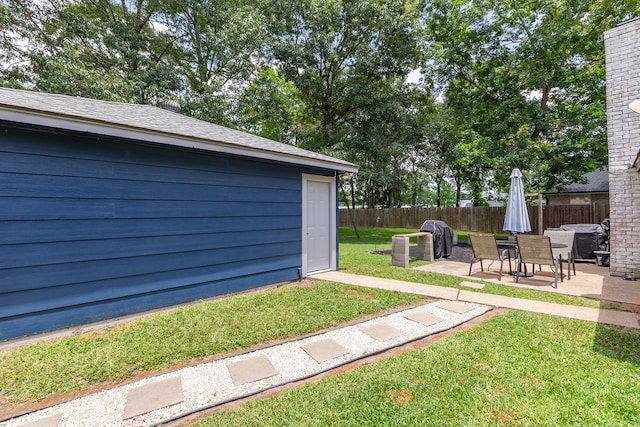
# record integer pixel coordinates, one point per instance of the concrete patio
(589, 281)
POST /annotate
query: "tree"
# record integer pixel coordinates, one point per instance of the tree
(439, 149)
(219, 51)
(349, 60)
(338, 52)
(12, 51)
(518, 74)
(97, 49)
(270, 107)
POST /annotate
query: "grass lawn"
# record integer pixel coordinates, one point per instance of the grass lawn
(518, 369)
(356, 257)
(183, 336)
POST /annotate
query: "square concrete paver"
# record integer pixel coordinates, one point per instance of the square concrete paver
(50, 421)
(381, 331)
(425, 318)
(472, 284)
(153, 396)
(250, 370)
(454, 306)
(324, 350)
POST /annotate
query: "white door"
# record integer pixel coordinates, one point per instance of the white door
(318, 224)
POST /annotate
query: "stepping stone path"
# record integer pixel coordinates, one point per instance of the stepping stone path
(162, 398)
(425, 319)
(381, 331)
(150, 397)
(324, 350)
(250, 370)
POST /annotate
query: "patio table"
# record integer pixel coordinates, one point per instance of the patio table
(512, 244)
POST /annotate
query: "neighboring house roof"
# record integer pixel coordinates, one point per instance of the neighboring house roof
(597, 182)
(150, 124)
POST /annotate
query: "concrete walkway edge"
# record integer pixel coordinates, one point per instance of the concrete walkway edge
(389, 284)
(611, 317)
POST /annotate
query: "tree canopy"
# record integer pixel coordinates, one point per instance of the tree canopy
(503, 84)
(529, 79)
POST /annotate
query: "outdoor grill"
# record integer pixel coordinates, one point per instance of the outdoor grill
(442, 237)
(589, 238)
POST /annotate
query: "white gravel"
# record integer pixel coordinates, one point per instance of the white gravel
(210, 383)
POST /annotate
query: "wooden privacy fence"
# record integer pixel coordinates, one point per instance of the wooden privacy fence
(488, 219)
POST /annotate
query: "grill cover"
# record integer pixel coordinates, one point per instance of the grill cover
(442, 237)
(589, 238)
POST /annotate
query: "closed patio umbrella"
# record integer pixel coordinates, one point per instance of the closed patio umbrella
(516, 219)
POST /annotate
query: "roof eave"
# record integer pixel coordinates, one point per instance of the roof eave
(568, 193)
(119, 131)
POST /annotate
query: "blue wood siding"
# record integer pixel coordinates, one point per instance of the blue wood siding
(94, 228)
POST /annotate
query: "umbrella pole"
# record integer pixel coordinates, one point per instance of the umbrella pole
(540, 224)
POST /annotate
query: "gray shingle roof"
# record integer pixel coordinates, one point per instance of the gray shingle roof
(597, 182)
(149, 123)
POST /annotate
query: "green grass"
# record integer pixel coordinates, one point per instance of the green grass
(223, 326)
(356, 256)
(185, 336)
(518, 369)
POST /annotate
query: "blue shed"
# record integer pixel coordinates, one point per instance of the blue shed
(109, 209)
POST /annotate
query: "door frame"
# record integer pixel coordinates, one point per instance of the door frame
(333, 256)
